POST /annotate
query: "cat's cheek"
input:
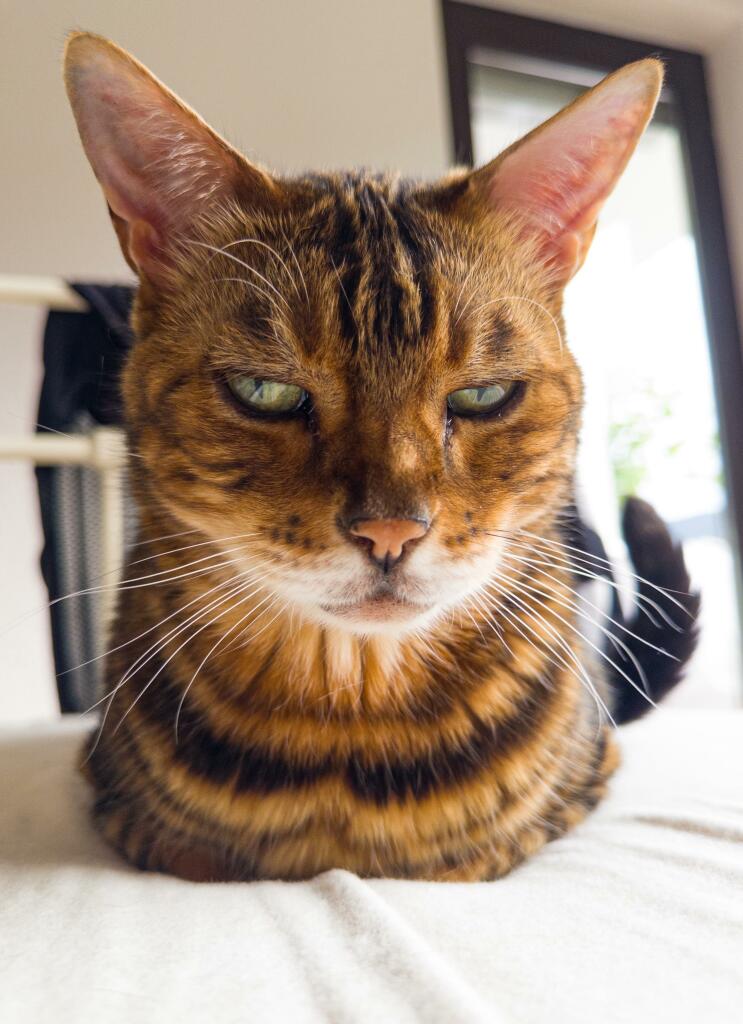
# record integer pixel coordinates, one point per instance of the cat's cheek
(478, 471)
(460, 452)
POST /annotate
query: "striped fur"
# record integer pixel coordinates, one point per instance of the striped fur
(263, 732)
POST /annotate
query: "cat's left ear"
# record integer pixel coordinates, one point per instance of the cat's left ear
(160, 166)
(555, 180)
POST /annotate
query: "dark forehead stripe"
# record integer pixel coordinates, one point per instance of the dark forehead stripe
(375, 236)
(417, 241)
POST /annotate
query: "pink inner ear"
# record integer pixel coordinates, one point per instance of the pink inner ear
(558, 180)
(156, 162)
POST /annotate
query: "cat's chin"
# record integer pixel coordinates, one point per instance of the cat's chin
(384, 613)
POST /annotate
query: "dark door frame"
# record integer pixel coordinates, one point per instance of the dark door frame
(467, 28)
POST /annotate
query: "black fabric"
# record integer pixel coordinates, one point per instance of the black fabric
(83, 355)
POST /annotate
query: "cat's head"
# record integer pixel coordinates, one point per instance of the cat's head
(357, 385)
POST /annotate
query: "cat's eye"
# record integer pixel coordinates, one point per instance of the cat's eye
(270, 397)
(480, 400)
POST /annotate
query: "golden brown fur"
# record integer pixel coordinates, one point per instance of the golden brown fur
(249, 733)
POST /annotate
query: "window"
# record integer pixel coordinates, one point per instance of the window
(660, 414)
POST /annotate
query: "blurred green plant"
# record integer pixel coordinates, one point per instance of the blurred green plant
(630, 436)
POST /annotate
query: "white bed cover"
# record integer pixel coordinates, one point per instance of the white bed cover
(637, 916)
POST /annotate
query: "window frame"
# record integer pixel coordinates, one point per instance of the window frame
(468, 28)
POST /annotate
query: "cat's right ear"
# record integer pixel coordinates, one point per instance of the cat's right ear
(160, 166)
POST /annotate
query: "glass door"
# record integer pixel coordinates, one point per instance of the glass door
(636, 322)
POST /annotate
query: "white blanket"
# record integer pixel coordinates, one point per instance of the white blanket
(636, 916)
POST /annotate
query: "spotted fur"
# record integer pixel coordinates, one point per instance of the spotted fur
(254, 727)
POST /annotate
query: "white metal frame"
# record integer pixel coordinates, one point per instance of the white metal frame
(50, 292)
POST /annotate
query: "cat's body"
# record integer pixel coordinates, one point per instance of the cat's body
(453, 756)
(350, 635)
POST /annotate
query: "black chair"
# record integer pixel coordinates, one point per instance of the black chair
(83, 354)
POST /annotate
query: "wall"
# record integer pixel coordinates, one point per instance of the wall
(295, 83)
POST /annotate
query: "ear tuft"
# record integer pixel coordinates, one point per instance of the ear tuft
(556, 179)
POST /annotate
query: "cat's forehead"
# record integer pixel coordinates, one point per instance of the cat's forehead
(370, 264)
(380, 245)
(370, 278)
(395, 227)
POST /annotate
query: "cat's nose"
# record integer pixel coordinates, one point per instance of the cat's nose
(388, 537)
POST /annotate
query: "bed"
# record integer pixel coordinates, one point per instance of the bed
(636, 916)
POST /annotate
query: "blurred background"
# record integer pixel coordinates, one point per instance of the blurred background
(326, 83)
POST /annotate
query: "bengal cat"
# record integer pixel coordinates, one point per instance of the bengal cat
(350, 633)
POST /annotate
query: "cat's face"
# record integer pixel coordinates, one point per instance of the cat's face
(356, 386)
(379, 315)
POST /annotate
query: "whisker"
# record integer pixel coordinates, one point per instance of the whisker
(345, 295)
(234, 646)
(135, 583)
(107, 588)
(152, 652)
(584, 556)
(531, 611)
(519, 298)
(250, 639)
(591, 644)
(199, 597)
(618, 643)
(179, 627)
(591, 604)
(189, 639)
(587, 573)
(211, 651)
(516, 624)
(432, 652)
(66, 433)
(165, 536)
(189, 547)
(242, 263)
(554, 657)
(465, 282)
(297, 264)
(248, 284)
(247, 578)
(496, 627)
(265, 245)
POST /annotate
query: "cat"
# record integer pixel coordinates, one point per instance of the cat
(350, 635)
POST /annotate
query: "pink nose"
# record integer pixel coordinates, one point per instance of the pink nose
(389, 536)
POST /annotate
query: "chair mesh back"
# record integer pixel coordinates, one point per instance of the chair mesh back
(83, 356)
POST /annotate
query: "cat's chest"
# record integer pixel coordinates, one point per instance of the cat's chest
(293, 810)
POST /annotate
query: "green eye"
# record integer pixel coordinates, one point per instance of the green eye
(474, 401)
(267, 396)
